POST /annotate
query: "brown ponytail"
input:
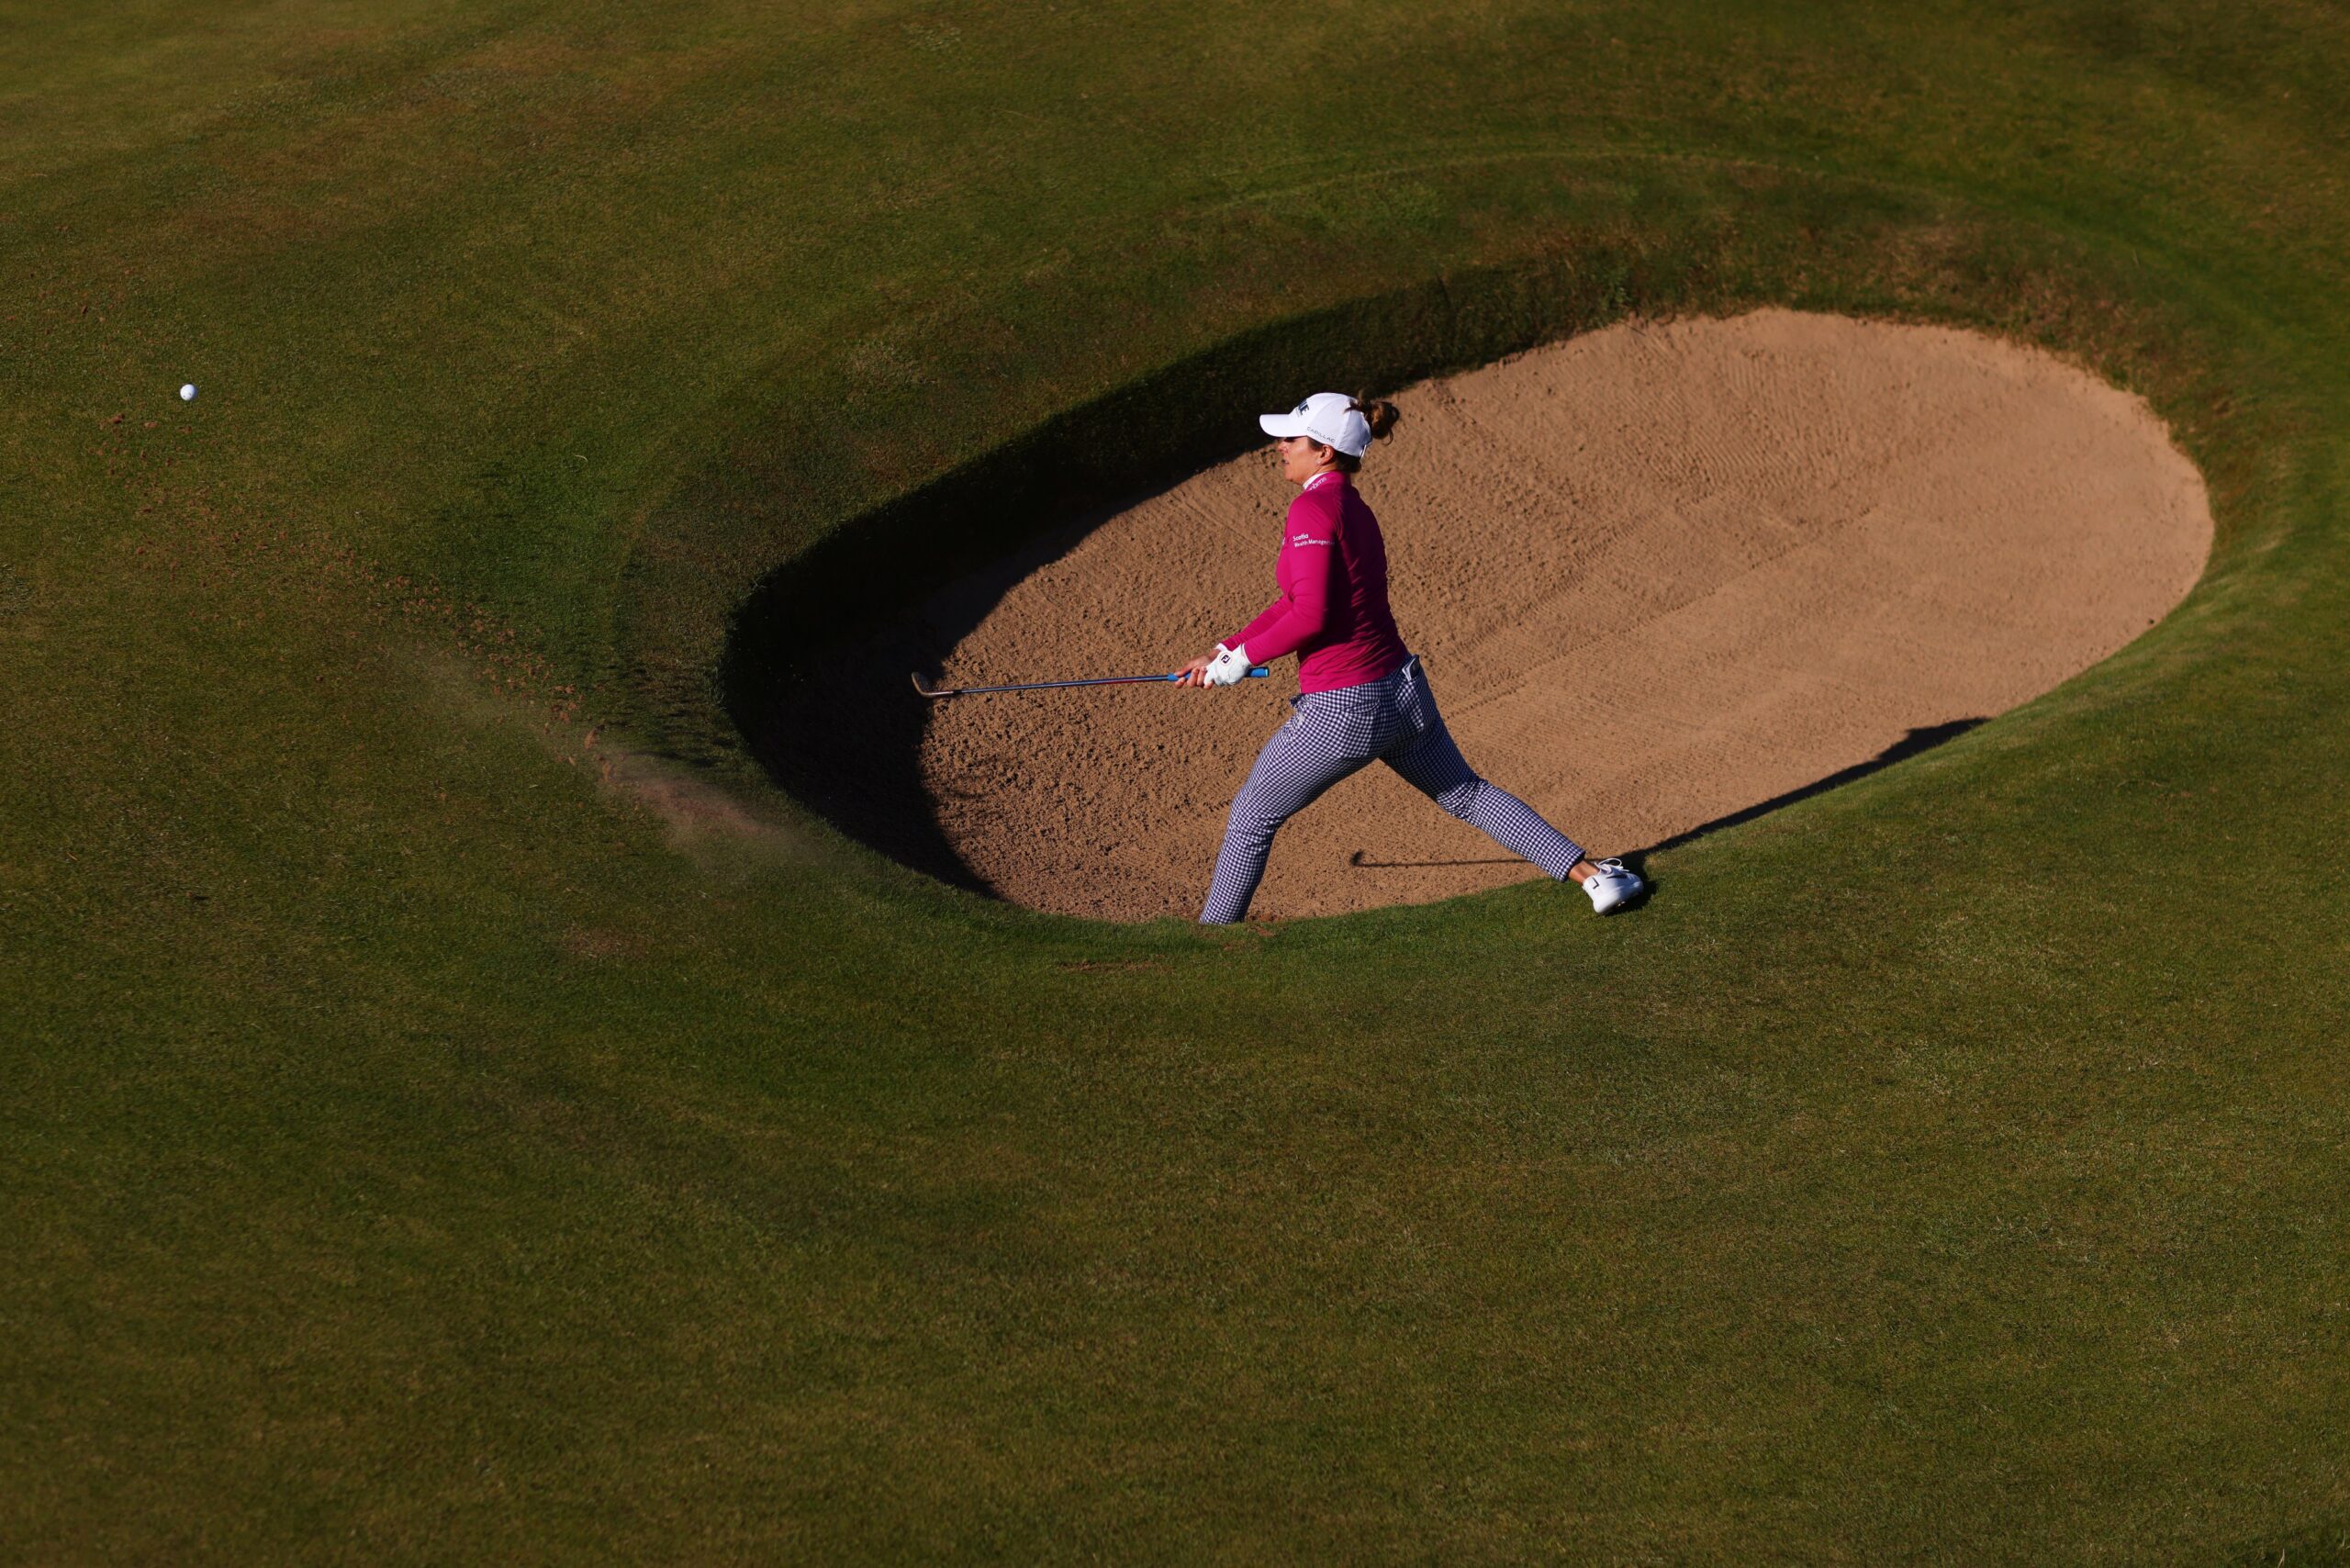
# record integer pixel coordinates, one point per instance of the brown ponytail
(1379, 415)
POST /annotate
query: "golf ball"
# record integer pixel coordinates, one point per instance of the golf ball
(187, 393)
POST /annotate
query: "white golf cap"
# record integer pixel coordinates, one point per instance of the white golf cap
(1326, 417)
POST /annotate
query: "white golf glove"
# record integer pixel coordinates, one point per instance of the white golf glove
(1229, 667)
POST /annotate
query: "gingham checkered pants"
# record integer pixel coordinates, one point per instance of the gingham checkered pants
(1333, 733)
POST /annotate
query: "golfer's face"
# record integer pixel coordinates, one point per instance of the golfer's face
(1300, 455)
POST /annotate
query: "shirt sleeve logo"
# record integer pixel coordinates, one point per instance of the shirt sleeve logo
(1307, 538)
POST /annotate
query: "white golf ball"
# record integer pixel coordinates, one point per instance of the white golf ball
(187, 393)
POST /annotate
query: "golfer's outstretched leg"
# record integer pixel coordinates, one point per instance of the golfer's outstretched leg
(1302, 760)
(1433, 764)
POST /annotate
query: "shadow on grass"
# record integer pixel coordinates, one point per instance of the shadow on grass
(1907, 747)
(1917, 740)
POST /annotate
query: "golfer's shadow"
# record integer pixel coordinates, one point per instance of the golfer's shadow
(1910, 746)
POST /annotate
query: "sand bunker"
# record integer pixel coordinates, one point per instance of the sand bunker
(1659, 574)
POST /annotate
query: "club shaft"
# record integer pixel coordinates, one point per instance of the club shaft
(1258, 673)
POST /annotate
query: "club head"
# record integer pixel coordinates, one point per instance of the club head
(932, 692)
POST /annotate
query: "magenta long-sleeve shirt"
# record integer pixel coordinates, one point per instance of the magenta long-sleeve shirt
(1332, 610)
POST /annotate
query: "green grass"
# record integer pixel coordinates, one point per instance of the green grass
(417, 1149)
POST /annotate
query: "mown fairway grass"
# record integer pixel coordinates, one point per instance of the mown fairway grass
(418, 1147)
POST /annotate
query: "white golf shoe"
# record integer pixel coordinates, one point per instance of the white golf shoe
(1615, 886)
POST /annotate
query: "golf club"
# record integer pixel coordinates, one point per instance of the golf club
(936, 692)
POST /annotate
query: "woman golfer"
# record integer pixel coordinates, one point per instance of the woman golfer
(1360, 694)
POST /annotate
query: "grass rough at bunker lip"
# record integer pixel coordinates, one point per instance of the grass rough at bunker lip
(410, 1152)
